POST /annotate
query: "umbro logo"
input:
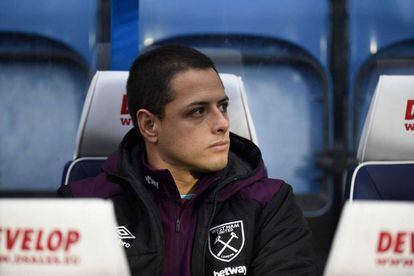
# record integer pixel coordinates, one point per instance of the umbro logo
(151, 181)
(226, 241)
(123, 233)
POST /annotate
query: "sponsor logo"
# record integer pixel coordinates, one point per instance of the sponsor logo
(395, 249)
(238, 270)
(38, 246)
(125, 119)
(151, 181)
(226, 241)
(409, 115)
(123, 233)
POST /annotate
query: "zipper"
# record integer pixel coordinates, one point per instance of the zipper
(150, 206)
(210, 220)
(177, 225)
(179, 209)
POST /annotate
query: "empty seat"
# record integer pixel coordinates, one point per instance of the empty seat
(395, 59)
(42, 88)
(386, 147)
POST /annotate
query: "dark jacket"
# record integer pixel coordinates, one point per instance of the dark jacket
(239, 223)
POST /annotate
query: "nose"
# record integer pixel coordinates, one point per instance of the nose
(220, 122)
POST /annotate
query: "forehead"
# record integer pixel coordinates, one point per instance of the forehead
(197, 84)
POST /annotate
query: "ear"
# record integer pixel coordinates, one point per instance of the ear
(147, 125)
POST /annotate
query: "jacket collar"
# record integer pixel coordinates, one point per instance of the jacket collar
(163, 185)
(245, 167)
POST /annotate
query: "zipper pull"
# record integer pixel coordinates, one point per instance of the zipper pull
(177, 226)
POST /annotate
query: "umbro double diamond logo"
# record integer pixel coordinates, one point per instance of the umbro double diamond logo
(123, 233)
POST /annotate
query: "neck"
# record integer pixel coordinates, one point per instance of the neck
(184, 179)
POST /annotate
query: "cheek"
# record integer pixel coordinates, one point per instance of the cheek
(185, 133)
(179, 137)
(188, 142)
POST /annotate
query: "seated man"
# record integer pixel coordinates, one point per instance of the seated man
(190, 197)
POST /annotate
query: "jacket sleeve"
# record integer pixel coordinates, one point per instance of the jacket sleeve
(283, 241)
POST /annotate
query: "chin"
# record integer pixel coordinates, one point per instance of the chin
(214, 165)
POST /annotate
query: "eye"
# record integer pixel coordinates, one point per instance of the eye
(223, 107)
(197, 112)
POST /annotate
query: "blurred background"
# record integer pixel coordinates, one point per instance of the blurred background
(309, 67)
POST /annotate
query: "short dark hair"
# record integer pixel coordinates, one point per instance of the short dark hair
(148, 84)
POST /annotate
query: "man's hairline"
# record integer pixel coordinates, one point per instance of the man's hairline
(172, 92)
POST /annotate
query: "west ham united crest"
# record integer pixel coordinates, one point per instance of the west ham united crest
(226, 241)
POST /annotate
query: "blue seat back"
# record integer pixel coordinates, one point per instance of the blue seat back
(42, 88)
(82, 168)
(383, 181)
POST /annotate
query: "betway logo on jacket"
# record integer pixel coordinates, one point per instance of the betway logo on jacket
(125, 119)
(238, 270)
(409, 116)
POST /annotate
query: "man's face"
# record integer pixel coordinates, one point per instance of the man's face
(194, 133)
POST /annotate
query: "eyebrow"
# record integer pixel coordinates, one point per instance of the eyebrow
(225, 99)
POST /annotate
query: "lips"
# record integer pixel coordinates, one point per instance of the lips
(220, 146)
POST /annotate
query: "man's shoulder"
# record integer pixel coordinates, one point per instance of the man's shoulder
(262, 190)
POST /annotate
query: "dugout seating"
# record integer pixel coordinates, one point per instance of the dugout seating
(386, 146)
